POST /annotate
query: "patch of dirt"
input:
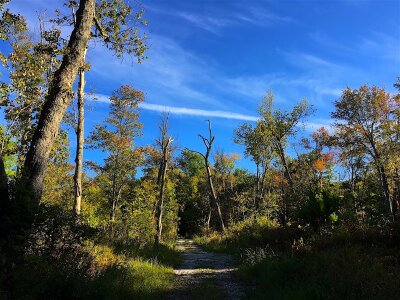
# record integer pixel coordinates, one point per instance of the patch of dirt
(205, 275)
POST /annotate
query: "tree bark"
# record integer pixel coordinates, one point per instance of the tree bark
(385, 188)
(58, 99)
(208, 143)
(260, 185)
(282, 157)
(396, 194)
(79, 141)
(160, 204)
(383, 177)
(257, 188)
(214, 196)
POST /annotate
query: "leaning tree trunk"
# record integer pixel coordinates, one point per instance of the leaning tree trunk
(208, 143)
(57, 101)
(282, 157)
(79, 141)
(385, 188)
(214, 196)
(288, 177)
(383, 178)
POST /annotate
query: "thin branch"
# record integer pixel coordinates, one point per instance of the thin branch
(101, 30)
(194, 151)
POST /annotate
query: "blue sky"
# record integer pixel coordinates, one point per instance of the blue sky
(216, 59)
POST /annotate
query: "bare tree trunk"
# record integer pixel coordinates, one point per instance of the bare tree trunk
(214, 197)
(256, 198)
(208, 143)
(209, 215)
(164, 143)
(282, 157)
(383, 178)
(385, 188)
(260, 187)
(396, 194)
(160, 204)
(79, 141)
(58, 99)
(264, 173)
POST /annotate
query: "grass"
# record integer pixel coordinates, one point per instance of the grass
(104, 274)
(344, 263)
(164, 254)
(341, 273)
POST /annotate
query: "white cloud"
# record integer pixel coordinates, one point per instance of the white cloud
(187, 111)
(237, 17)
(197, 112)
(383, 46)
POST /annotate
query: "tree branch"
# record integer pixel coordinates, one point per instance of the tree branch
(101, 29)
(194, 151)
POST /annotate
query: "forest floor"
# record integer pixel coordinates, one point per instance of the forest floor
(205, 275)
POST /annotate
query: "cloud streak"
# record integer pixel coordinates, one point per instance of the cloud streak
(197, 112)
(186, 111)
(257, 16)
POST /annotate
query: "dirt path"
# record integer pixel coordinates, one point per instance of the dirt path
(205, 275)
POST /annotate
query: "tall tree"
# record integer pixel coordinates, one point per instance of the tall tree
(164, 144)
(362, 116)
(80, 140)
(59, 97)
(258, 145)
(29, 66)
(116, 138)
(194, 203)
(118, 30)
(111, 20)
(224, 165)
(208, 142)
(281, 125)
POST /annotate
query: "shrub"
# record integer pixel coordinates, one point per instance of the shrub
(320, 208)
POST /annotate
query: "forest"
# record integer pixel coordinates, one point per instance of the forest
(166, 221)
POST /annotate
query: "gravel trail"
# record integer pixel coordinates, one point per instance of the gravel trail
(205, 275)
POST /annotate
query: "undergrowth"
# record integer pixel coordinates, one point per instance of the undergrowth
(67, 260)
(346, 262)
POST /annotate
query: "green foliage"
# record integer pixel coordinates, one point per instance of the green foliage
(115, 27)
(193, 203)
(248, 233)
(116, 137)
(320, 208)
(118, 24)
(170, 215)
(120, 278)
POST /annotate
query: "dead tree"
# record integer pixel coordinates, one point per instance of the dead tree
(165, 149)
(208, 143)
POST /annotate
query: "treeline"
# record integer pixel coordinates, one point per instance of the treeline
(303, 231)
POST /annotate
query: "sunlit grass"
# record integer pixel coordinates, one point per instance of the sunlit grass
(108, 275)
